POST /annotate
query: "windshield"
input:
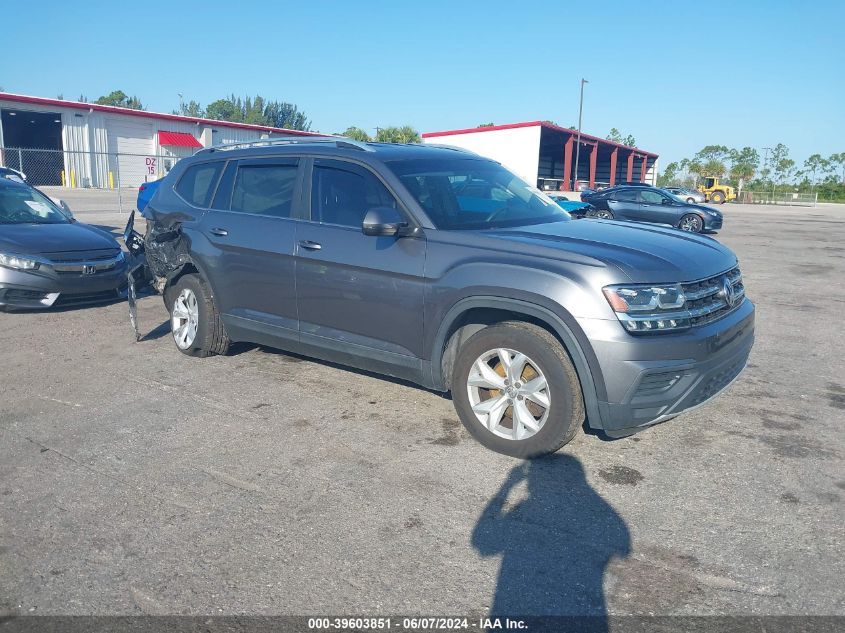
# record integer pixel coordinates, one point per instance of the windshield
(475, 194)
(22, 205)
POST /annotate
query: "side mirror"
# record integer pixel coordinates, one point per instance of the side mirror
(381, 221)
(666, 201)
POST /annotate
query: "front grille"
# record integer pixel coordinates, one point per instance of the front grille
(707, 300)
(82, 298)
(87, 266)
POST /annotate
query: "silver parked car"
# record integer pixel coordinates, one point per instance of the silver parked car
(690, 196)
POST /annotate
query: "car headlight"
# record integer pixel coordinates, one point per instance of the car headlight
(649, 308)
(18, 263)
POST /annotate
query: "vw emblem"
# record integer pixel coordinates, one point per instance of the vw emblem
(728, 292)
(88, 269)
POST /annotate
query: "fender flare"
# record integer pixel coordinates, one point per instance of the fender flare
(566, 332)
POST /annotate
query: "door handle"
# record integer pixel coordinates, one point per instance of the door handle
(311, 246)
(219, 232)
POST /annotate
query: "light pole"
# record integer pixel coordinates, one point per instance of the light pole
(578, 144)
(181, 109)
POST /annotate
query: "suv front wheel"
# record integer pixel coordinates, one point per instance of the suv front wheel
(195, 323)
(516, 390)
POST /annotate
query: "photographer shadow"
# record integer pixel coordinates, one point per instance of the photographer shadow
(555, 543)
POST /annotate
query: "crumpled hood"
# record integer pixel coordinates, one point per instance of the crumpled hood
(43, 239)
(645, 253)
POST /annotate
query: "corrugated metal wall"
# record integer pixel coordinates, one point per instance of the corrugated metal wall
(89, 137)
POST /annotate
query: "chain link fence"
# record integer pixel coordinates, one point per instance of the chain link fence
(119, 173)
(772, 197)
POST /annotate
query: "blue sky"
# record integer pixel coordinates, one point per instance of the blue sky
(676, 75)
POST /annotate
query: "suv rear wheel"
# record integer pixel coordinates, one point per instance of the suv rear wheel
(516, 391)
(194, 320)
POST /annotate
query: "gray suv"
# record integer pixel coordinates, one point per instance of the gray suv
(437, 266)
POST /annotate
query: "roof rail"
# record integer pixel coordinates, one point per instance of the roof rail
(454, 148)
(339, 141)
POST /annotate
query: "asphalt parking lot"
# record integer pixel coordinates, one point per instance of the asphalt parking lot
(134, 479)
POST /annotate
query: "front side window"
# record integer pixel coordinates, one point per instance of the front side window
(198, 182)
(474, 194)
(265, 189)
(651, 197)
(22, 205)
(343, 194)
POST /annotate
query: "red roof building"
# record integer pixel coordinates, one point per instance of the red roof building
(545, 154)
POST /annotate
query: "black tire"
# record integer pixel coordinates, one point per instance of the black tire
(691, 218)
(211, 337)
(566, 402)
(690, 200)
(606, 214)
(717, 197)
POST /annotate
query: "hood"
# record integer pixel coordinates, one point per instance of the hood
(45, 239)
(645, 253)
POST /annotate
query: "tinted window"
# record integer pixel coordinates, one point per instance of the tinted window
(474, 194)
(343, 196)
(198, 182)
(651, 197)
(224, 190)
(627, 195)
(264, 189)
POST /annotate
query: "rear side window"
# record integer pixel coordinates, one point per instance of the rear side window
(198, 182)
(628, 195)
(265, 189)
(224, 189)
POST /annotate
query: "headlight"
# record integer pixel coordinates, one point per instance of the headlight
(649, 308)
(19, 263)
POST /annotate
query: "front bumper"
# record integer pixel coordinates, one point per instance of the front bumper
(46, 287)
(711, 223)
(652, 378)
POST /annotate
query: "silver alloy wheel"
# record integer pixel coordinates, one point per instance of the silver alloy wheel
(184, 318)
(603, 215)
(690, 201)
(691, 223)
(508, 393)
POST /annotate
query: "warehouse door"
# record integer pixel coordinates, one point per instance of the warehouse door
(33, 142)
(132, 146)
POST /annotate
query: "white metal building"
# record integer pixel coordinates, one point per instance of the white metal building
(88, 145)
(544, 154)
